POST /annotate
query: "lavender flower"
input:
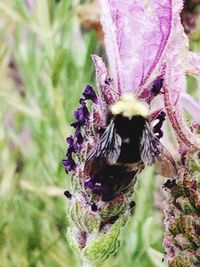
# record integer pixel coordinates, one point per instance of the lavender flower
(182, 222)
(139, 39)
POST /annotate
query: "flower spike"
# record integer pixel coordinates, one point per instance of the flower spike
(114, 140)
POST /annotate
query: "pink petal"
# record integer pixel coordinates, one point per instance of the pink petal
(191, 106)
(185, 137)
(101, 70)
(146, 93)
(107, 95)
(105, 84)
(135, 37)
(176, 57)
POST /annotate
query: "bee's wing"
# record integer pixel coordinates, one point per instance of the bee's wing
(153, 151)
(165, 164)
(149, 145)
(106, 151)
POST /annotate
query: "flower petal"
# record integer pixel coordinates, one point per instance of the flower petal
(136, 34)
(90, 94)
(191, 106)
(148, 92)
(176, 56)
(104, 82)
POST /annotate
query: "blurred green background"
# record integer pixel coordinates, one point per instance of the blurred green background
(45, 63)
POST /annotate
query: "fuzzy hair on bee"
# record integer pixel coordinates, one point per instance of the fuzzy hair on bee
(126, 146)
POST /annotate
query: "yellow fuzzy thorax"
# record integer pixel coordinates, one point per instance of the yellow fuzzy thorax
(129, 106)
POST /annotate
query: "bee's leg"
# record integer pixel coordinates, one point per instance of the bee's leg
(157, 128)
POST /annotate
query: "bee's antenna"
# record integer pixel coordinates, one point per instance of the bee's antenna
(108, 82)
(117, 93)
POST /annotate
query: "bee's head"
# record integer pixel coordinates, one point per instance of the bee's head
(129, 106)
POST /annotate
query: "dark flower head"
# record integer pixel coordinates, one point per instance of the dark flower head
(68, 194)
(69, 164)
(76, 124)
(72, 145)
(132, 204)
(153, 89)
(82, 114)
(157, 86)
(90, 94)
(78, 136)
(82, 101)
(70, 140)
(94, 207)
(93, 186)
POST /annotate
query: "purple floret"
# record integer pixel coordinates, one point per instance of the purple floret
(157, 86)
(90, 94)
(72, 145)
(69, 164)
(82, 113)
(78, 136)
(76, 124)
(97, 188)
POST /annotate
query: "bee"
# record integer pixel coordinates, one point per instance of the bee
(126, 146)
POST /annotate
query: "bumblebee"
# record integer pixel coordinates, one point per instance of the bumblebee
(127, 144)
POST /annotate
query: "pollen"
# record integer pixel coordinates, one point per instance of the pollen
(129, 106)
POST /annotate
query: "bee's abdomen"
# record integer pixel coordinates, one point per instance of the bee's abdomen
(112, 180)
(130, 130)
(130, 152)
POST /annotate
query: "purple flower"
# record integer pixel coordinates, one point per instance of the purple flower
(94, 187)
(76, 124)
(82, 114)
(148, 57)
(69, 164)
(70, 140)
(72, 145)
(148, 93)
(157, 85)
(78, 136)
(90, 94)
